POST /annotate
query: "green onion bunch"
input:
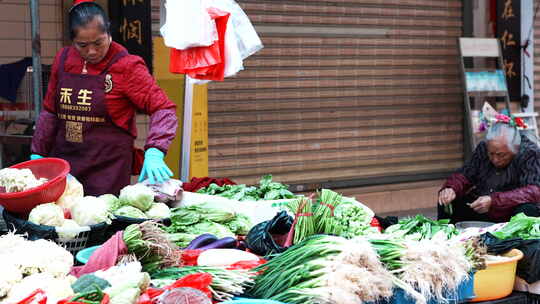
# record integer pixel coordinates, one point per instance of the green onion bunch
(324, 269)
(151, 246)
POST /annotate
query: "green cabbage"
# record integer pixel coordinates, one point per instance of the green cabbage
(158, 211)
(130, 211)
(112, 201)
(138, 196)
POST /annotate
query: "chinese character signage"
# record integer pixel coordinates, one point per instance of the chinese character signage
(132, 26)
(509, 35)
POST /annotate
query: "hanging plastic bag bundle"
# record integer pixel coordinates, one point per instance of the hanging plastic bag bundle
(188, 25)
(247, 38)
(203, 62)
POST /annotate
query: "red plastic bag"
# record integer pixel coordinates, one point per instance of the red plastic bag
(375, 223)
(203, 62)
(190, 256)
(200, 281)
(149, 296)
(246, 265)
(38, 296)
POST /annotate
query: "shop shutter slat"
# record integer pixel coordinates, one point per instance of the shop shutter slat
(357, 89)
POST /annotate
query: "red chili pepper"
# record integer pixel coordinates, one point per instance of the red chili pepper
(37, 296)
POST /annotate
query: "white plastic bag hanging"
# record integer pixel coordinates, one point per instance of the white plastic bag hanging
(233, 59)
(247, 38)
(188, 24)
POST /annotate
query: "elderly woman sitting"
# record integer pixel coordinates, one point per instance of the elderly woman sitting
(500, 180)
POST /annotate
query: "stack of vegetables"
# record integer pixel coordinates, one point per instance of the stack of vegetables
(324, 269)
(329, 269)
(421, 227)
(151, 246)
(27, 265)
(189, 222)
(332, 214)
(137, 201)
(520, 226)
(267, 190)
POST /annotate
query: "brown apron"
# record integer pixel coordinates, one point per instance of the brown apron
(99, 152)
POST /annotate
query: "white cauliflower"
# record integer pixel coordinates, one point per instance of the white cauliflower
(48, 214)
(56, 289)
(11, 275)
(90, 210)
(69, 230)
(17, 180)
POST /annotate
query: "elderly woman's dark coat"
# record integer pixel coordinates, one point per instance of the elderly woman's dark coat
(516, 184)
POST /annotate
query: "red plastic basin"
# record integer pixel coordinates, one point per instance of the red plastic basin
(54, 170)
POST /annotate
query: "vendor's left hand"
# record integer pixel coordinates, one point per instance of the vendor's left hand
(482, 204)
(154, 167)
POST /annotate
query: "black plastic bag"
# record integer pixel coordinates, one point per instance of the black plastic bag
(260, 238)
(528, 267)
(387, 221)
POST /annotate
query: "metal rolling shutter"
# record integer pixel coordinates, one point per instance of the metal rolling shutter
(343, 90)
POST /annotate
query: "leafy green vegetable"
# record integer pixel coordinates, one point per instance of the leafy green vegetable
(216, 229)
(267, 190)
(191, 221)
(240, 225)
(87, 282)
(208, 211)
(520, 226)
(421, 227)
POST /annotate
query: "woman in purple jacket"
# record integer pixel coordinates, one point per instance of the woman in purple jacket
(501, 179)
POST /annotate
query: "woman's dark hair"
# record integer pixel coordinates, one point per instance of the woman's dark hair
(83, 13)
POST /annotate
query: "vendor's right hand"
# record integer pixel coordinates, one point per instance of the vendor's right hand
(446, 196)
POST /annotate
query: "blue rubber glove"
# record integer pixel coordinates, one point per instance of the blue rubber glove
(35, 156)
(154, 168)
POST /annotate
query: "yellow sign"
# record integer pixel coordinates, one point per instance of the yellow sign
(198, 163)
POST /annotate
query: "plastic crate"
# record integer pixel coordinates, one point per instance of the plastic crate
(76, 244)
(85, 236)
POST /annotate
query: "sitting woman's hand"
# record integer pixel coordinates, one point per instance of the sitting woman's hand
(482, 204)
(446, 196)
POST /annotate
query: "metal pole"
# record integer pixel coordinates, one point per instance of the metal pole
(186, 135)
(36, 58)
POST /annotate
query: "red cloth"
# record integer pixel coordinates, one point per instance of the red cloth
(502, 203)
(206, 62)
(197, 183)
(134, 90)
(104, 257)
(75, 2)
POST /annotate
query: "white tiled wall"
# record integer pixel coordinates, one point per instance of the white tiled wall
(15, 29)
